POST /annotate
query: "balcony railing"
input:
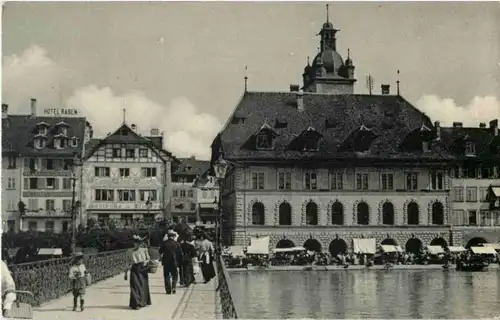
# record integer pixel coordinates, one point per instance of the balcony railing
(124, 205)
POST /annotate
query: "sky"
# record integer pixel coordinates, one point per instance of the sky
(179, 66)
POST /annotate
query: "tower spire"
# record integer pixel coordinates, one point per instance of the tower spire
(397, 84)
(327, 14)
(246, 78)
(308, 61)
(124, 114)
(348, 53)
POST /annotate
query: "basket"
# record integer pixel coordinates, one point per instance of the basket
(152, 266)
(21, 310)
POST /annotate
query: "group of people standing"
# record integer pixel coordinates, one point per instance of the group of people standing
(182, 258)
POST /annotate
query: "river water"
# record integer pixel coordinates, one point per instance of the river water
(395, 294)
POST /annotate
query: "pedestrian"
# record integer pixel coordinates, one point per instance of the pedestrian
(171, 258)
(205, 251)
(188, 254)
(77, 274)
(140, 295)
(8, 291)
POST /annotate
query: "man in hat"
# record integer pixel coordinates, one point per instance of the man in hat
(171, 258)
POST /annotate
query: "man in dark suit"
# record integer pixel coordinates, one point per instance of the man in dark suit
(171, 258)
(189, 253)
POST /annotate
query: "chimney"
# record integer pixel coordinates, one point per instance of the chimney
(294, 88)
(386, 89)
(482, 125)
(33, 107)
(133, 127)
(5, 110)
(437, 125)
(300, 101)
(155, 132)
(494, 127)
(457, 124)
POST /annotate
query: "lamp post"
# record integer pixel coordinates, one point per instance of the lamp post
(74, 204)
(220, 168)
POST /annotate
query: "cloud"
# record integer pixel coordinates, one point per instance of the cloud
(187, 130)
(29, 75)
(445, 110)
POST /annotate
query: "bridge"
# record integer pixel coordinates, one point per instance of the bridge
(108, 297)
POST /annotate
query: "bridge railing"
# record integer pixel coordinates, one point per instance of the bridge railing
(49, 279)
(228, 307)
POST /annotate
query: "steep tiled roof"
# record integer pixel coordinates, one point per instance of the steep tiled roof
(18, 133)
(454, 139)
(192, 167)
(336, 117)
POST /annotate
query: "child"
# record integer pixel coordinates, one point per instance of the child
(77, 273)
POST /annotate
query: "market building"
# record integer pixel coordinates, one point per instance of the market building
(184, 205)
(40, 170)
(323, 167)
(127, 178)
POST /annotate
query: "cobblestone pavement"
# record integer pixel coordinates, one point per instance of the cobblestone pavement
(200, 302)
(108, 300)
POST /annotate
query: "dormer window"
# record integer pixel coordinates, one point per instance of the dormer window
(60, 143)
(470, 148)
(40, 143)
(264, 140)
(42, 128)
(308, 140)
(74, 142)
(62, 128)
(311, 144)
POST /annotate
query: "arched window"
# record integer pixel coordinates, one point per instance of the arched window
(258, 213)
(437, 213)
(388, 213)
(285, 214)
(413, 213)
(363, 213)
(312, 214)
(337, 213)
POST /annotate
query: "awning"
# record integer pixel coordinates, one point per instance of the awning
(236, 251)
(457, 249)
(294, 249)
(483, 250)
(208, 205)
(435, 249)
(367, 246)
(495, 246)
(50, 252)
(258, 246)
(496, 191)
(389, 248)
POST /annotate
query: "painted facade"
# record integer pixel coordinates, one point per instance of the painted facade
(127, 178)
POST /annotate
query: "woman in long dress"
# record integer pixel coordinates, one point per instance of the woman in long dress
(139, 280)
(205, 251)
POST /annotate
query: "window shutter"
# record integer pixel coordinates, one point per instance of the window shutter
(56, 184)
(26, 183)
(96, 171)
(42, 183)
(44, 163)
(26, 163)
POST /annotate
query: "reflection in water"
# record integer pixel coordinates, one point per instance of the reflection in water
(402, 294)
